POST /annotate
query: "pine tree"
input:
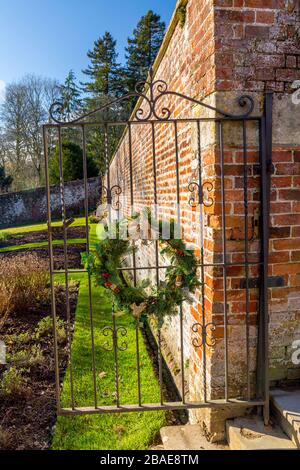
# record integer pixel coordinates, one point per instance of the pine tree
(104, 70)
(70, 96)
(143, 47)
(106, 84)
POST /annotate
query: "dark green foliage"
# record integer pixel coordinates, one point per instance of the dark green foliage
(143, 47)
(70, 96)
(105, 73)
(5, 181)
(72, 164)
(109, 81)
(100, 149)
(181, 277)
(106, 84)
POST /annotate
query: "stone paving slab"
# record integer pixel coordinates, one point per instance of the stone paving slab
(285, 405)
(187, 437)
(250, 433)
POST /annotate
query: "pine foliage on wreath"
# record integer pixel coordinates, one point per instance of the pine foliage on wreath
(144, 300)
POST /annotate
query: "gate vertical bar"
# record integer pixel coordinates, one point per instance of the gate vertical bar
(51, 266)
(134, 269)
(221, 142)
(63, 207)
(115, 352)
(179, 222)
(202, 268)
(86, 211)
(263, 345)
(246, 254)
(107, 163)
(157, 258)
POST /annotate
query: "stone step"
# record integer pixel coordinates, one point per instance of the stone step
(285, 407)
(187, 437)
(250, 433)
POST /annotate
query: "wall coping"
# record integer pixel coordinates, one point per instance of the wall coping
(167, 39)
(43, 188)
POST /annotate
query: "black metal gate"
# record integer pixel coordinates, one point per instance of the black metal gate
(153, 111)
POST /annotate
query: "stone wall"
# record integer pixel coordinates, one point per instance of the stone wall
(226, 48)
(31, 206)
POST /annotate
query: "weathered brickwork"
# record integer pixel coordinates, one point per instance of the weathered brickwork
(225, 48)
(284, 261)
(257, 44)
(30, 206)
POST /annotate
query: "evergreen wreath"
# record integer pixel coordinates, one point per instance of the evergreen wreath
(144, 300)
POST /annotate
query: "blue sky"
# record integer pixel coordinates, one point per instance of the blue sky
(50, 37)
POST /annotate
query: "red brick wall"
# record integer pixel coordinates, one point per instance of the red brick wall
(284, 261)
(257, 44)
(224, 49)
(180, 68)
(257, 49)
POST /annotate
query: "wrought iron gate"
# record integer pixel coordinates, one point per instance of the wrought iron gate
(152, 111)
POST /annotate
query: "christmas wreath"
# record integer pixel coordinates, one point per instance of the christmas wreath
(143, 300)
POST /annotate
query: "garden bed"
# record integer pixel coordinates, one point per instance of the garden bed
(74, 255)
(27, 415)
(41, 236)
(28, 419)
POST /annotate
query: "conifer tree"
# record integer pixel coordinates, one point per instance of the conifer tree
(106, 84)
(143, 47)
(70, 96)
(104, 71)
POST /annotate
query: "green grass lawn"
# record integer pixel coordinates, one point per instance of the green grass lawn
(130, 431)
(79, 222)
(28, 246)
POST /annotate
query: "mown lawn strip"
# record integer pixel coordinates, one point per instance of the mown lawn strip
(130, 431)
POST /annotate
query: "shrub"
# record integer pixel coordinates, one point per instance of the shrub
(22, 338)
(36, 355)
(24, 283)
(72, 164)
(26, 357)
(13, 382)
(45, 326)
(20, 357)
